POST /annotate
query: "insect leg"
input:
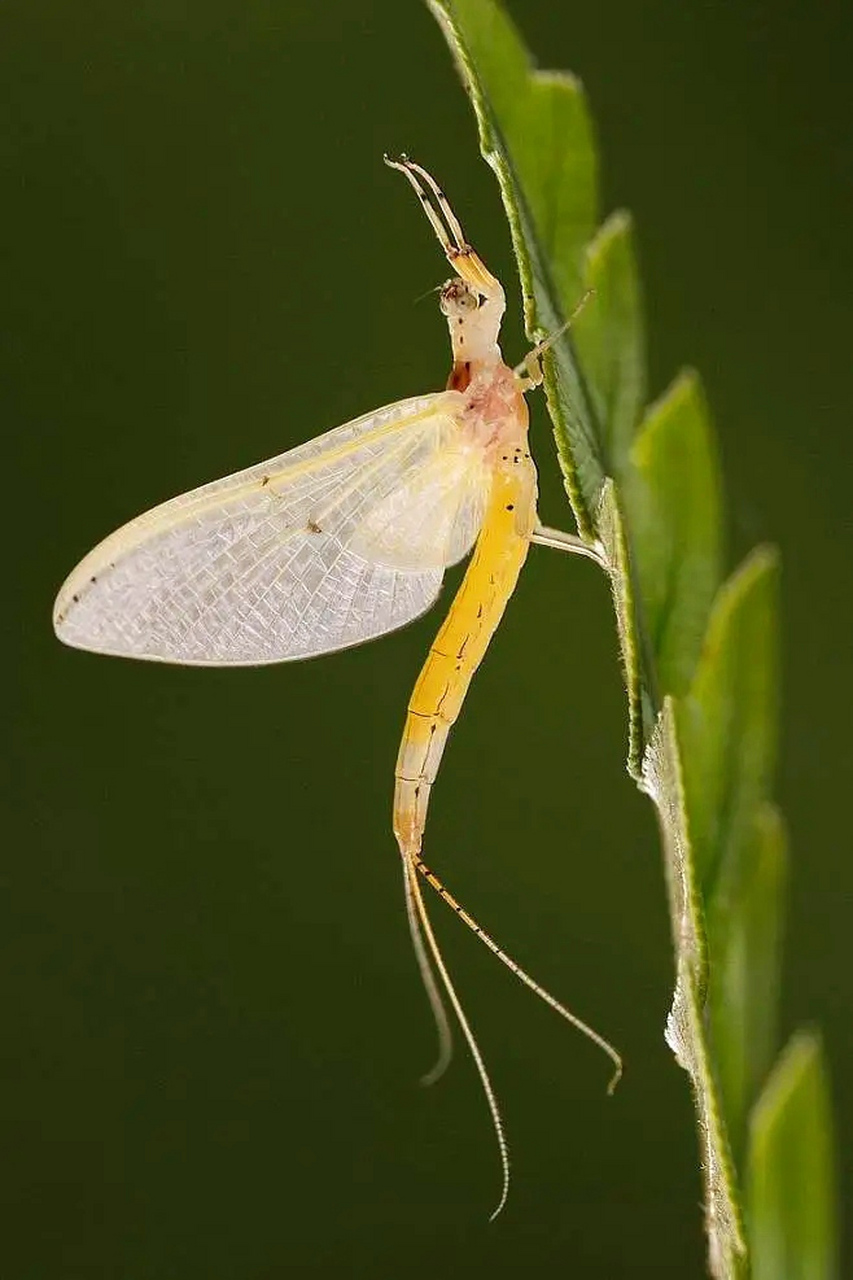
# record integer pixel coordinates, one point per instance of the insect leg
(570, 542)
(529, 372)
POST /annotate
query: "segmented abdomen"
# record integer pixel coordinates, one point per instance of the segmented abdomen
(460, 646)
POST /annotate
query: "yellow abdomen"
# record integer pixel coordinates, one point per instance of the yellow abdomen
(461, 643)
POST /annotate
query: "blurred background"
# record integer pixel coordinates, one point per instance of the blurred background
(214, 1025)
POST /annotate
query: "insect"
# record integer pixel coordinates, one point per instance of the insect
(343, 539)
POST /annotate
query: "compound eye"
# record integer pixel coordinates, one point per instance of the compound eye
(457, 299)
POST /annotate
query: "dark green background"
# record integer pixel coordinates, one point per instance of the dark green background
(213, 1022)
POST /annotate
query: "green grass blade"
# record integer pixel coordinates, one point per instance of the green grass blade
(747, 946)
(700, 659)
(791, 1185)
(609, 338)
(726, 732)
(732, 699)
(675, 504)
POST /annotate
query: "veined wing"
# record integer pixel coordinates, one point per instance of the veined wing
(337, 541)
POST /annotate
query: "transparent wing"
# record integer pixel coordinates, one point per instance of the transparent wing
(434, 514)
(337, 541)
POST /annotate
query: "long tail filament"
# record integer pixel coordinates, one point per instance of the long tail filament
(411, 864)
(429, 954)
(520, 973)
(439, 1013)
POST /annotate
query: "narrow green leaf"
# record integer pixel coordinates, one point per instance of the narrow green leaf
(727, 722)
(674, 500)
(747, 935)
(609, 339)
(726, 731)
(791, 1207)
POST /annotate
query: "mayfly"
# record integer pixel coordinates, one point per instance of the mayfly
(346, 538)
